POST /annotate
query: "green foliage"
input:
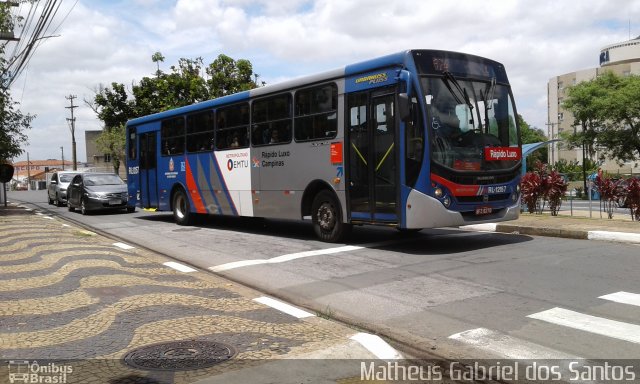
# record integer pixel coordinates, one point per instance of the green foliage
(112, 141)
(608, 112)
(573, 169)
(531, 135)
(13, 122)
(182, 85)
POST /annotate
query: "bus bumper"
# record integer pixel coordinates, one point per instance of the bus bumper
(424, 211)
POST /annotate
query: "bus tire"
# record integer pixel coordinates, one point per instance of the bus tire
(181, 212)
(326, 215)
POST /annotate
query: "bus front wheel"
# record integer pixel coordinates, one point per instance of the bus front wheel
(327, 218)
(181, 213)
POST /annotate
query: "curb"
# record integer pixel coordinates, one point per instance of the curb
(621, 237)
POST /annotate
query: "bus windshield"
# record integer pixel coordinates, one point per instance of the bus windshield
(465, 117)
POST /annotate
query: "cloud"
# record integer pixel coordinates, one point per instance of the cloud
(106, 41)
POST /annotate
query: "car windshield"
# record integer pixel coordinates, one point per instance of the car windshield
(465, 117)
(103, 180)
(66, 178)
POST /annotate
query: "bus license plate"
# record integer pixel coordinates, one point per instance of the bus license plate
(483, 210)
(115, 202)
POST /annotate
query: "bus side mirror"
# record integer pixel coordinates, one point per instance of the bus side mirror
(404, 106)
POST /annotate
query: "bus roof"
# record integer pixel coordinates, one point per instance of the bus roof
(395, 59)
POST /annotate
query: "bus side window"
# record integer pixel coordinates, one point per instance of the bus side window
(271, 120)
(316, 109)
(172, 134)
(232, 127)
(132, 143)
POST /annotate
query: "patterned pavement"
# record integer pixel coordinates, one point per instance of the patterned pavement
(77, 304)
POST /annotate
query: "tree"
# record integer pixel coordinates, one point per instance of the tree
(532, 135)
(584, 101)
(13, 122)
(114, 109)
(113, 142)
(620, 110)
(227, 76)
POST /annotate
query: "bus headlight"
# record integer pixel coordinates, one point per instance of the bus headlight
(446, 201)
(438, 193)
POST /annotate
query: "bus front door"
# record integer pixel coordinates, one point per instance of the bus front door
(148, 170)
(372, 157)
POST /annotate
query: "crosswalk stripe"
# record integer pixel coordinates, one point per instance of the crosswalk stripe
(506, 346)
(623, 297)
(598, 325)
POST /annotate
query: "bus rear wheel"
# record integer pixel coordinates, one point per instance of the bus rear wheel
(327, 218)
(181, 213)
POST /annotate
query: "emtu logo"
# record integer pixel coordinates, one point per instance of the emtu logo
(232, 164)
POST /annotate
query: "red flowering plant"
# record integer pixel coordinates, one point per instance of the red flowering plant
(556, 187)
(632, 191)
(609, 190)
(541, 186)
(531, 191)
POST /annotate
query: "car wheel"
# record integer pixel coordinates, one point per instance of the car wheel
(326, 215)
(131, 209)
(181, 212)
(83, 206)
(58, 201)
(49, 199)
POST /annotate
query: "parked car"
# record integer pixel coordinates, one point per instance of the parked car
(58, 184)
(98, 191)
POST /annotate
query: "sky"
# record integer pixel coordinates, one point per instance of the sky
(104, 41)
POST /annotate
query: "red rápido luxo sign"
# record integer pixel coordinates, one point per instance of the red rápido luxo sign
(502, 153)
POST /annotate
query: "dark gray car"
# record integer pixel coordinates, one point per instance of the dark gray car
(98, 191)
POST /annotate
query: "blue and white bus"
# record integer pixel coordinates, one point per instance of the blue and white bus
(416, 139)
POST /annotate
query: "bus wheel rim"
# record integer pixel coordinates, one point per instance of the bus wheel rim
(180, 207)
(326, 217)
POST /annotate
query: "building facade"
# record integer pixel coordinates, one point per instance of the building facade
(622, 59)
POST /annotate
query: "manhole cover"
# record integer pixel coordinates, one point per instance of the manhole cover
(179, 355)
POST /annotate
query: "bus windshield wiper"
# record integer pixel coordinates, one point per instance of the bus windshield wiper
(448, 78)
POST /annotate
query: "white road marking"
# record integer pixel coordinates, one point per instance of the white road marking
(283, 258)
(506, 346)
(377, 346)
(283, 307)
(598, 325)
(623, 297)
(179, 267)
(123, 246)
(299, 255)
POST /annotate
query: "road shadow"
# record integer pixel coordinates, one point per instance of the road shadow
(426, 242)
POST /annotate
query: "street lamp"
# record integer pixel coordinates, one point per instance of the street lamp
(62, 149)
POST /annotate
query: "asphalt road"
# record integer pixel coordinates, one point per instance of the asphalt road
(453, 293)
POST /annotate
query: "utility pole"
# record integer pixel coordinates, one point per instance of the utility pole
(550, 129)
(62, 149)
(72, 127)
